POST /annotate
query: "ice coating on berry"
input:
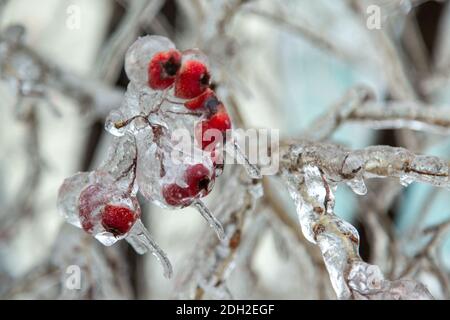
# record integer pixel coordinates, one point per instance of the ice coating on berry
(163, 68)
(118, 220)
(68, 194)
(98, 208)
(91, 199)
(139, 55)
(167, 175)
(175, 195)
(193, 78)
(199, 179)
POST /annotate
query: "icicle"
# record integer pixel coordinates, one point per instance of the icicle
(406, 179)
(251, 169)
(357, 185)
(140, 239)
(212, 220)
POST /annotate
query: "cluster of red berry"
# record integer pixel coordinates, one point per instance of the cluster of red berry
(190, 78)
(168, 89)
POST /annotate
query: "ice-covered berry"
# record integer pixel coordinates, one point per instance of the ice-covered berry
(139, 55)
(198, 179)
(199, 182)
(175, 195)
(163, 68)
(118, 220)
(192, 80)
(91, 199)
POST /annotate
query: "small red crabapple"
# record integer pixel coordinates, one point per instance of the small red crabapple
(220, 122)
(199, 184)
(163, 68)
(198, 180)
(192, 79)
(118, 220)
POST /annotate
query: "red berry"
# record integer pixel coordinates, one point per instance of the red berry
(118, 220)
(220, 121)
(163, 68)
(175, 195)
(199, 183)
(198, 180)
(192, 80)
(207, 100)
(208, 140)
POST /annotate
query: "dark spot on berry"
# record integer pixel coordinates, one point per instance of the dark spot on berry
(205, 78)
(172, 66)
(204, 183)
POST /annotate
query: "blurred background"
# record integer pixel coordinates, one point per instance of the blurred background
(277, 64)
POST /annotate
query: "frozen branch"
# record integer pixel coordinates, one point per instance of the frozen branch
(403, 115)
(359, 106)
(31, 76)
(313, 171)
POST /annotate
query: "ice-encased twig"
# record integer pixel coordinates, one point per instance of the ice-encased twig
(210, 218)
(213, 259)
(343, 165)
(312, 172)
(359, 106)
(251, 169)
(141, 241)
(403, 115)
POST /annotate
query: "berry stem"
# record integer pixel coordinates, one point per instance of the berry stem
(195, 114)
(210, 218)
(141, 241)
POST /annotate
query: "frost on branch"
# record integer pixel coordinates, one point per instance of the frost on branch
(313, 171)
